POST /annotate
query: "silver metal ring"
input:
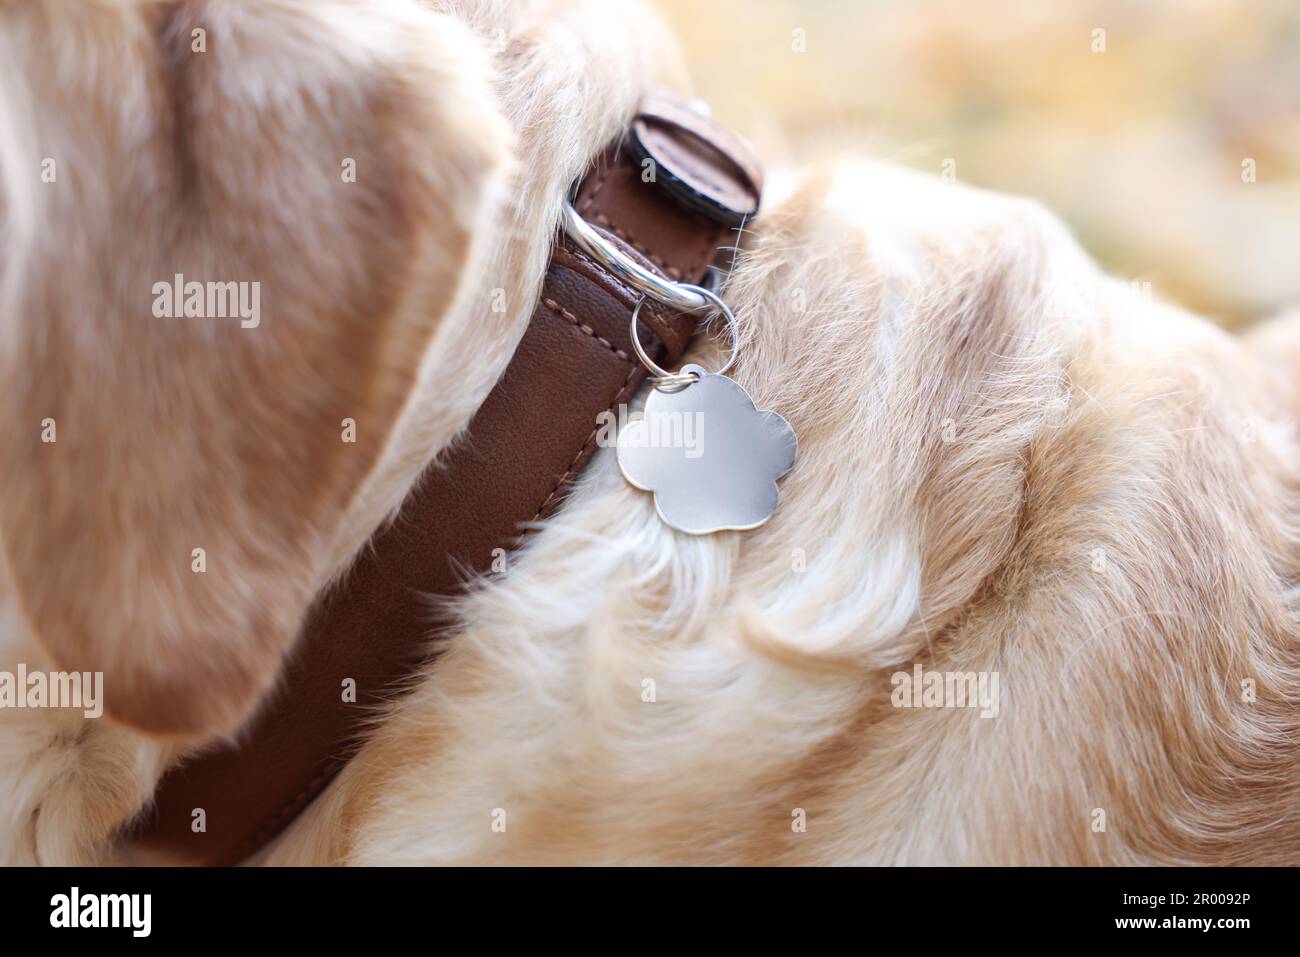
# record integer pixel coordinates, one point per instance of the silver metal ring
(681, 296)
(671, 381)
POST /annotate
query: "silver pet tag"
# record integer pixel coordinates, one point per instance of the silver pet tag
(709, 455)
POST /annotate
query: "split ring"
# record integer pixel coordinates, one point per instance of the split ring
(671, 381)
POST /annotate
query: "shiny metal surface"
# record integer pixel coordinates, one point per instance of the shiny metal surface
(709, 455)
(678, 295)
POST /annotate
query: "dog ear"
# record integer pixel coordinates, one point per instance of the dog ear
(229, 234)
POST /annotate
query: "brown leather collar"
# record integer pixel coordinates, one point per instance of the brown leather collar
(670, 196)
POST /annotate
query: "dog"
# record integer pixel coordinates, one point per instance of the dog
(1010, 466)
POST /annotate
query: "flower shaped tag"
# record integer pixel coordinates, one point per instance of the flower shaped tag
(708, 454)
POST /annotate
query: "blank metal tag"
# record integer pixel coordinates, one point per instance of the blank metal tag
(708, 454)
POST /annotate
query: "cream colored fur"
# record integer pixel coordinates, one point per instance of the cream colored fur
(1007, 463)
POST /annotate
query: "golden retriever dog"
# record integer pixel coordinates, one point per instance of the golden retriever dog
(1009, 466)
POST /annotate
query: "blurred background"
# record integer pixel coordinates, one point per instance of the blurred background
(1143, 124)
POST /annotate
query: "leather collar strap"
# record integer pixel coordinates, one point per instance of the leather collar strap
(524, 449)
